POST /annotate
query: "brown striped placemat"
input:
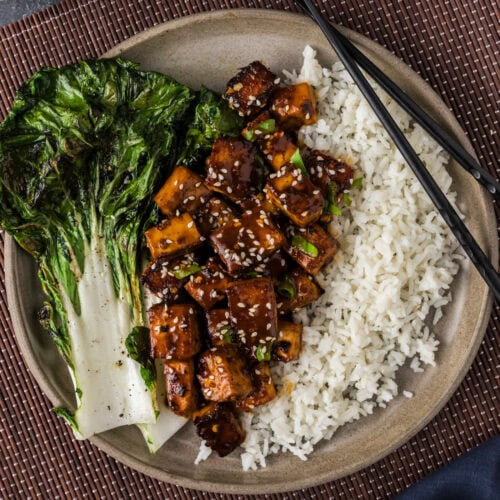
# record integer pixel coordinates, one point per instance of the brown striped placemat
(451, 44)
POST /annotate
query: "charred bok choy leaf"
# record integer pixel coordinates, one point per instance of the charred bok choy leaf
(82, 153)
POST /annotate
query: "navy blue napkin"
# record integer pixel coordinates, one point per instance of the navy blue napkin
(473, 476)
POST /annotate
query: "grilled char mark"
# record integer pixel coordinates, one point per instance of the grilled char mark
(219, 426)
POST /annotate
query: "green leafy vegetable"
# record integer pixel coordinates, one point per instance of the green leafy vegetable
(184, 272)
(346, 199)
(138, 346)
(212, 119)
(305, 246)
(82, 153)
(297, 160)
(66, 415)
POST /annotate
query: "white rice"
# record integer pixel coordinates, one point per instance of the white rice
(396, 263)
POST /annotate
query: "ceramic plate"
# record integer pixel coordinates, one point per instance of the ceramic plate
(208, 49)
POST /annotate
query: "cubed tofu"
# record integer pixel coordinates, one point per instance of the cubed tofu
(233, 169)
(223, 374)
(252, 306)
(213, 215)
(175, 331)
(209, 285)
(264, 389)
(294, 106)
(256, 204)
(324, 169)
(219, 330)
(165, 277)
(261, 126)
(245, 242)
(181, 391)
(219, 426)
(295, 195)
(312, 247)
(296, 289)
(183, 191)
(289, 343)
(248, 92)
(277, 149)
(274, 266)
(173, 236)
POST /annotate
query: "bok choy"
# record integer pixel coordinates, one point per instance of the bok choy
(82, 153)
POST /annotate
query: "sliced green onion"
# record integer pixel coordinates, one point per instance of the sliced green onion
(264, 356)
(253, 274)
(305, 246)
(226, 334)
(358, 182)
(186, 271)
(334, 209)
(346, 199)
(332, 190)
(249, 135)
(286, 289)
(267, 126)
(296, 160)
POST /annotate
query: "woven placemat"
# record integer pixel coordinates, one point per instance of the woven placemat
(451, 44)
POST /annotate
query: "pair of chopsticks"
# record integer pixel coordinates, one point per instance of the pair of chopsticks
(354, 60)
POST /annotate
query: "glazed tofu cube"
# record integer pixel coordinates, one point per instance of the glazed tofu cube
(278, 149)
(295, 195)
(296, 290)
(165, 277)
(219, 426)
(252, 306)
(312, 248)
(274, 266)
(323, 170)
(244, 243)
(223, 374)
(233, 169)
(289, 343)
(173, 236)
(181, 391)
(209, 285)
(263, 125)
(256, 204)
(264, 389)
(183, 191)
(219, 328)
(175, 331)
(294, 106)
(213, 215)
(248, 92)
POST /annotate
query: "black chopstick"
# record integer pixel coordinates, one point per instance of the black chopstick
(465, 238)
(427, 123)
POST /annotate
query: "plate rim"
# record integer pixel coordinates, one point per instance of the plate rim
(25, 347)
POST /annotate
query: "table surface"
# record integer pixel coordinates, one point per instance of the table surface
(451, 44)
(12, 10)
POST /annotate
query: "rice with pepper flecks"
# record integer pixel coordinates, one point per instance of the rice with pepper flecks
(395, 266)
